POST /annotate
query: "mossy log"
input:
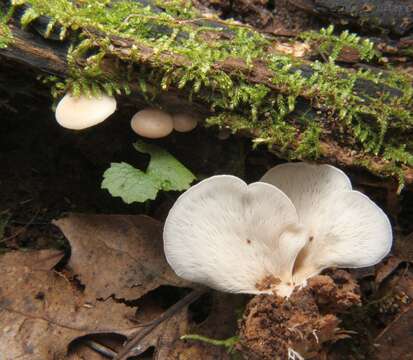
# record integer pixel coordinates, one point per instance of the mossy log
(275, 90)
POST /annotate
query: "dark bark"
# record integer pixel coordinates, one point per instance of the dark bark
(395, 16)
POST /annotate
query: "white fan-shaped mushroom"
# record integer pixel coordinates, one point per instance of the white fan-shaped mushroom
(152, 123)
(230, 236)
(308, 186)
(346, 228)
(81, 112)
(184, 122)
(351, 231)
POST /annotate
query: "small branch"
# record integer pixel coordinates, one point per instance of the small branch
(101, 349)
(22, 230)
(138, 337)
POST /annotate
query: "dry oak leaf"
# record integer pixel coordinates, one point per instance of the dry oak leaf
(117, 255)
(41, 312)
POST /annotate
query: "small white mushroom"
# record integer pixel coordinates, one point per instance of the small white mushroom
(184, 122)
(81, 112)
(298, 221)
(152, 123)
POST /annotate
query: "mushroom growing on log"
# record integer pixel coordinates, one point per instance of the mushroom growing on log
(315, 123)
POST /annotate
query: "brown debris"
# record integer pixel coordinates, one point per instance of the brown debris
(395, 294)
(279, 18)
(267, 283)
(296, 49)
(120, 255)
(335, 293)
(272, 326)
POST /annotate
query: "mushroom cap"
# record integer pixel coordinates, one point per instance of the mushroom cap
(81, 112)
(346, 228)
(152, 123)
(184, 122)
(230, 236)
(298, 221)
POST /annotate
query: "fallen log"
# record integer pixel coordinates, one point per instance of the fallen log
(272, 89)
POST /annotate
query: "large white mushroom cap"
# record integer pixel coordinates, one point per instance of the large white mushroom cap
(299, 220)
(81, 112)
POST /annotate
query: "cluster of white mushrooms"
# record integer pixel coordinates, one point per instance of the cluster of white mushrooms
(81, 112)
(298, 220)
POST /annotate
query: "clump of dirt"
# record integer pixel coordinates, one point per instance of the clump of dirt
(273, 327)
(335, 292)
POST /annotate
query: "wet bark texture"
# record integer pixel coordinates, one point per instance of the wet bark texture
(395, 16)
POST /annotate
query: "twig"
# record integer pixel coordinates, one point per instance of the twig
(21, 231)
(128, 348)
(101, 349)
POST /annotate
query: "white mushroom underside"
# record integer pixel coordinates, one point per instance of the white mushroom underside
(346, 228)
(210, 234)
(230, 236)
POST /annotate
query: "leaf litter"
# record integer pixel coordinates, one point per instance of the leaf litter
(42, 311)
(117, 255)
(102, 296)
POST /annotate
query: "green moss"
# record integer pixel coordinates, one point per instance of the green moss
(370, 122)
(331, 46)
(6, 36)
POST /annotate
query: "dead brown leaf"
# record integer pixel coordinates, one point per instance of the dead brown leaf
(42, 312)
(387, 267)
(166, 336)
(119, 255)
(396, 341)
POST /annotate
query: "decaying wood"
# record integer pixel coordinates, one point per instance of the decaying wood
(49, 56)
(394, 16)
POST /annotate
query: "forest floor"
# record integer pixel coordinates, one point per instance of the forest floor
(63, 291)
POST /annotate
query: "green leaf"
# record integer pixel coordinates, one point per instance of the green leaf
(164, 172)
(129, 183)
(163, 166)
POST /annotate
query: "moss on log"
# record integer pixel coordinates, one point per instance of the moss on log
(290, 94)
